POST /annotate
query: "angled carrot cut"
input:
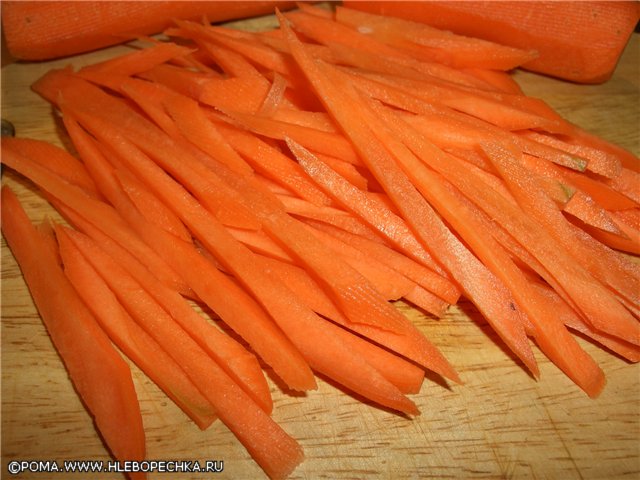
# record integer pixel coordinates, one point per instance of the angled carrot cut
(94, 365)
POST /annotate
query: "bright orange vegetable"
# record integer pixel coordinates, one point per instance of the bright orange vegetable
(130, 337)
(93, 363)
(44, 30)
(580, 42)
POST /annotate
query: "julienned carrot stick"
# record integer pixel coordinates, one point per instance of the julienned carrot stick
(614, 319)
(223, 296)
(135, 62)
(272, 163)
(40, 31)
(130, 338)
(55, 159)
(420, 274)
(316, 140)
(301, 325)
(97, 212)
(272, 448)
(375, 214)
(551, 335)
(496, 303)
(154, 210)
(584, 47)
(93, 364)
(198, 129)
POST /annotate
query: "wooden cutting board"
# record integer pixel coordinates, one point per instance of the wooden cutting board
(500, 424)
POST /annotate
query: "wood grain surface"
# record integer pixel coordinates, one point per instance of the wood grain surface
(500, 424)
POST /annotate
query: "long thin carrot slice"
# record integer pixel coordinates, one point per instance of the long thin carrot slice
(375, 214)
(496, 304)
(272, 448)
(198, 129)
(223, 296)
(272, 163)
(55, 159)
(135, 62)
(99, 213)
(317, 140)
(442, 46)
(328, 32)
(93, 364)
(181, 80)
(155, 210)
(420, 274)
(130, 338)
(553, 338)
(615, 272)
(305, 329)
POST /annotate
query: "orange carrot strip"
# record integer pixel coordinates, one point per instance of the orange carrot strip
(260, 243)
(324, 142)
(571, 319)
(346, 170)
(601, 193)
(629, 241)
(155, 211)
(181, 80)
(466, 130)
(270, 446)
(246, 45)
(375, 214)
(135, 62)
(599, 162)
(274, 98)
(223, 296)
(93, 364)
(583, 46)
(583, 207)
(390, 284)
(438, 45)
(495, 112)
(305, 329)
(130, 337)
(98, 213)
(426, 300)
(272, 163)
(627, 184)
(57, 160)
(328, 32)
(238, 93)
(601, 308)
(406, 376)
(196, 127)
(420, 274)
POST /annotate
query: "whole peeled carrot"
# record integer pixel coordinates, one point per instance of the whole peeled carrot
(45, 30)
(577, 41)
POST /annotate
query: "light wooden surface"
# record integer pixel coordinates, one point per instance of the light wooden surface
(500, 424)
